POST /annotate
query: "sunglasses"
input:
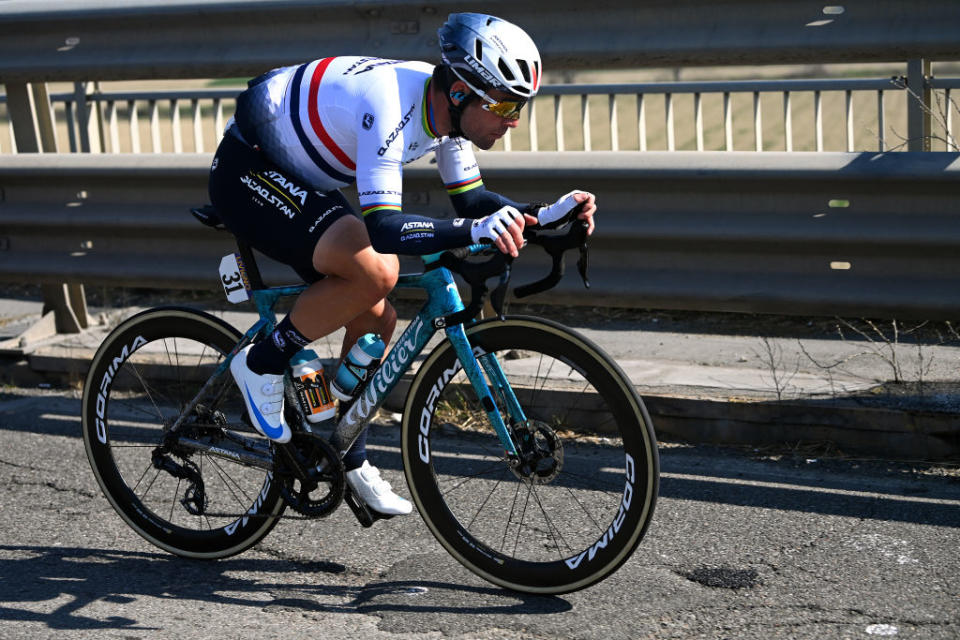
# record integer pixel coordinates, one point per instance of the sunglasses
(506, 109)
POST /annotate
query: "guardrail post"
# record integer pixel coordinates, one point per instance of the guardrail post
(30, 114)
(33, 128)
(89, 122)
(69, 305)
(918, 105)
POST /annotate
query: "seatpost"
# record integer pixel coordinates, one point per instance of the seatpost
(250, 262)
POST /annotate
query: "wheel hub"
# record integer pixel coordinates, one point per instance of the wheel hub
(541, 453)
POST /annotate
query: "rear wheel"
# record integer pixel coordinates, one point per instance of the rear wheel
(581, 499)
(178, 497)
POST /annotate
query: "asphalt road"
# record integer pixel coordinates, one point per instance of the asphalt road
(743, 545)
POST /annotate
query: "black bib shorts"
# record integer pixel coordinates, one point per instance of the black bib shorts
(269, 209)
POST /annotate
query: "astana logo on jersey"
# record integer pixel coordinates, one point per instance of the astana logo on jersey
(416, 230)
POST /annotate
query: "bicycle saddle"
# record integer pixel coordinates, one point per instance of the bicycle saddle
(208, 215)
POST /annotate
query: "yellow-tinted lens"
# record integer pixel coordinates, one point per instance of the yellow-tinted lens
(508, 109)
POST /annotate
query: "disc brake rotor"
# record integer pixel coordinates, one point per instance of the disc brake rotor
(541, 453)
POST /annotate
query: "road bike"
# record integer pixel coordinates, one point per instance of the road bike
(527, 451)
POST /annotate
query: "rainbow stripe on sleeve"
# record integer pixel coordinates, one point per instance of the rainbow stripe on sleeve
(467, 184)
(379, 206)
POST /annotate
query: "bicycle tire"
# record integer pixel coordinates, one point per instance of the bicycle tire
(590, 504)
(144, 373)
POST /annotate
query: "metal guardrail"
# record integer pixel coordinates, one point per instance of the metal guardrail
(44, 40)
(831, 233)
(119, 127)
(867, 233)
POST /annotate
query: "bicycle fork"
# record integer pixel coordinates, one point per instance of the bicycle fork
(474, 366)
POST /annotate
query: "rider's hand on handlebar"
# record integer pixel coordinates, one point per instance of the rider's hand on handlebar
(556, 215)
(502, 228)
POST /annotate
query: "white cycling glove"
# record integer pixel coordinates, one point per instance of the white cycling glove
(559, 213)
(486, 230)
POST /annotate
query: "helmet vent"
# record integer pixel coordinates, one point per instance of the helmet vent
(478, 49)
(524, 69)
(505, 70)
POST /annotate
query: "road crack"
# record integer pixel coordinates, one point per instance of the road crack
(52, 485)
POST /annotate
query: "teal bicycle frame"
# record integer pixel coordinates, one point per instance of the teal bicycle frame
(443, 299)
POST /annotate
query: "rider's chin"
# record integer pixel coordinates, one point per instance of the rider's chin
(485, 143)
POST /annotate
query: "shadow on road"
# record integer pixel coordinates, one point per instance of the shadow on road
(703, 473)
(68, 579)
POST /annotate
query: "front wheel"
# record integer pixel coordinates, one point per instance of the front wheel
(580, 501)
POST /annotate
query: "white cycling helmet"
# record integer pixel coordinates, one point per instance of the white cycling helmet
(489, 53)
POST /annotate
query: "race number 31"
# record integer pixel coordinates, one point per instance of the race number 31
(233, 277)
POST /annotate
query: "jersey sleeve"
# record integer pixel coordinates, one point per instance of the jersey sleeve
(461, 177)
(458, 166)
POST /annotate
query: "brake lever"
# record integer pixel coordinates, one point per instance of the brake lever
(584, 254)
(499, 295)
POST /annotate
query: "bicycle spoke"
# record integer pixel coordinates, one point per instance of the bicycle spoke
(178, 399)
(570, 406)
(140, 479)
(506, 528)
(150, 486)
(581, 505)
(546, 378)
(467, 478)
(551, 527)
(146, 389)
(173, 503)
(486, 500)
(134, 406)
(523, 516)
(227, 479)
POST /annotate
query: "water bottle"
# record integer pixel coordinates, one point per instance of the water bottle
(360, 363)
(311, 386)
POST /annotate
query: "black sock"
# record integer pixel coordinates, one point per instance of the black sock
(273, 354)
(357, 453)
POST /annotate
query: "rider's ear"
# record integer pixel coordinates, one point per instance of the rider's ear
(458, 91)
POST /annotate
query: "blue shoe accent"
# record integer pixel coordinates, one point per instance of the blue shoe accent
(274, 433)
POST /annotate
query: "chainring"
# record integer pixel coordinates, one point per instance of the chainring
(320, 494)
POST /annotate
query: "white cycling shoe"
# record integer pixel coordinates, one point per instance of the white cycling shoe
(376, 492)
(263, 395)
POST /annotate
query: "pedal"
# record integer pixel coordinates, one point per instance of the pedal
(365, 515)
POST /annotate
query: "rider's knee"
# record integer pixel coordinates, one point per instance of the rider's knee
(380, 275)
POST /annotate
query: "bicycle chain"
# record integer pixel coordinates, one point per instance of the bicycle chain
(313, 453)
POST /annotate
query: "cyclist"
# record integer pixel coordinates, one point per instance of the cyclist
(302, 133)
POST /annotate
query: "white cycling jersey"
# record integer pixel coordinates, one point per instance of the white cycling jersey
(343, 119)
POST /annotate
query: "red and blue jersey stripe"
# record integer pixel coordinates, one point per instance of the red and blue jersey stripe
(316, 125)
